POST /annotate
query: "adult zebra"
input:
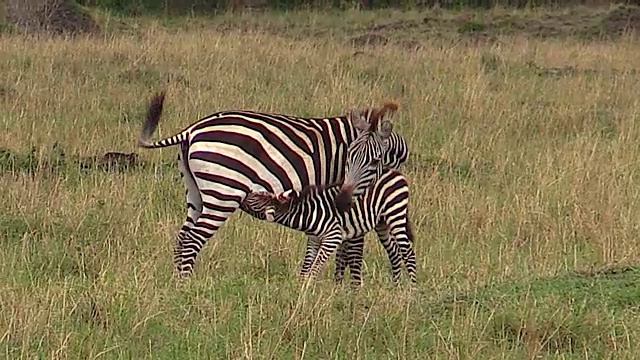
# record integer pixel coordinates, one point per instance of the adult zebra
(226, 155)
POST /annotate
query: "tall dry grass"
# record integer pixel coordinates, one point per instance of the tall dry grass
(514, 175)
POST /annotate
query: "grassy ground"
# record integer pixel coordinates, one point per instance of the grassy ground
(523, 172)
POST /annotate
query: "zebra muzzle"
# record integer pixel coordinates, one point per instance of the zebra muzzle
(269, 214)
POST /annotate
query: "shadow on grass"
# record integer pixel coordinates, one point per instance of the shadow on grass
(57, 161)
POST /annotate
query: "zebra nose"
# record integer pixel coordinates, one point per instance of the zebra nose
(270, 214)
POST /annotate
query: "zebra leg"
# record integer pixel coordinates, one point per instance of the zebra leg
(329, 242)
(355, 249)
(341, 262)
(219, 202)
(404, 238)
(191, 242)
(392, 248)
(311, 252)
(194, 204)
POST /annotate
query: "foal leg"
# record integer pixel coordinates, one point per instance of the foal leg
(392, 248)
(401, 233)
(329, 242)
(311, 252)
(355, 250)
(341, 262)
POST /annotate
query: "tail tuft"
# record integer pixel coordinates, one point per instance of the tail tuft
(154, 111)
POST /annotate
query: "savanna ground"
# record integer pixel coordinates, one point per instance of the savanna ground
(524, 176)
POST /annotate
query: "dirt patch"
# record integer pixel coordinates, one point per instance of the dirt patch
(7, 92)
(111, 161)
(396, 25)
(409, 44)
(368, 39)
(50, 16)
(608, 271)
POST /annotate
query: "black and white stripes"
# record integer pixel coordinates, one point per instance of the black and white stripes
(227, 155)
(383, 207)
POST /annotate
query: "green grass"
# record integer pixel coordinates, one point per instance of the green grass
(569, 313)
(521, 176)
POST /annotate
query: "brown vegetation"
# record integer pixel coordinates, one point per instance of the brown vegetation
(484, 28)
(51, 16)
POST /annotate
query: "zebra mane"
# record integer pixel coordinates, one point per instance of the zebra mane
(306, 192)
(378, 114)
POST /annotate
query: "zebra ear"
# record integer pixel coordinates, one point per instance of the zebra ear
(359, 118)
(287, 196)
(377, 115)
(385, 129)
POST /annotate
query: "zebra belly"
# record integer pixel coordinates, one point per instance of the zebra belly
(353, 226)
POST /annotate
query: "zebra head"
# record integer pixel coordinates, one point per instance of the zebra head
(397, 153)
(365, 154)
(270, 204)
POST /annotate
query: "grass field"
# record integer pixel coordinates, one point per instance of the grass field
(523, 170)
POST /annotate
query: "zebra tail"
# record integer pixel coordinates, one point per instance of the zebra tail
(154, 112)
(409, 230)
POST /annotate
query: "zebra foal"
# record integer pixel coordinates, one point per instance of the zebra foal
(383, 207)
(227, 155)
